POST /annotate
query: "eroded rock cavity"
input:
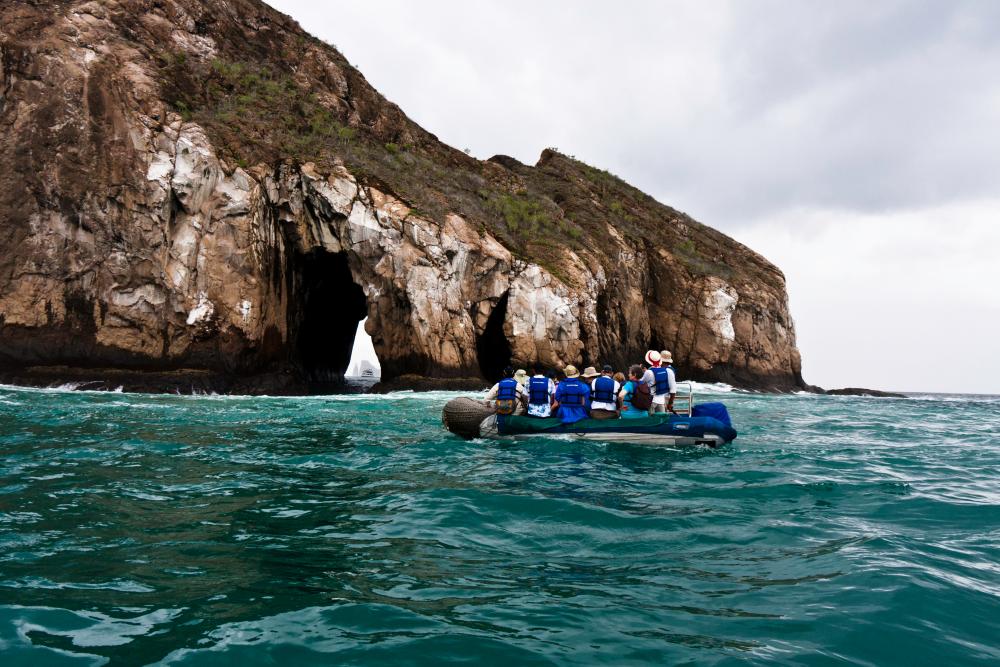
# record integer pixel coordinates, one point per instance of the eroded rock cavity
(492, 346)
(324, 317)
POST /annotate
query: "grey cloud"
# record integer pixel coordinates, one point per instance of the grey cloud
(853, 143)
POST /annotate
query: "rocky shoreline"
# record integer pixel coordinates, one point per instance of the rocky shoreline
(858, 391)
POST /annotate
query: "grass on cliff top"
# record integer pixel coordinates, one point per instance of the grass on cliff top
(596, 197)
(253, 112)
(533, 220)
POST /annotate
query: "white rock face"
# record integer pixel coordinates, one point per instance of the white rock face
(720, 304)
(196, 170)
(202, 312)
(543, 318)
(161, 166)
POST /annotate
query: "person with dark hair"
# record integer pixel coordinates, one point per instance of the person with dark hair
(605, 395)
(540, 390)
(635, 395)
(507, 394)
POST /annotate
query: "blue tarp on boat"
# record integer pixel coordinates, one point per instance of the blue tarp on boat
(713, 410)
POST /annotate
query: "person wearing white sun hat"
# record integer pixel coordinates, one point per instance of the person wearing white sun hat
(652, 360)
(665, 385)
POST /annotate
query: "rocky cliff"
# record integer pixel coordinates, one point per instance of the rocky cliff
(199, 189)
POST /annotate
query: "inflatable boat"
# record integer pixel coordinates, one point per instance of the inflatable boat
(707, 424)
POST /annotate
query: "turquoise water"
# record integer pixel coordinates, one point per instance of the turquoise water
(351, 530)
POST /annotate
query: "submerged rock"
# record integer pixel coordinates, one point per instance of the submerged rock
(201, 185)
(857, 391)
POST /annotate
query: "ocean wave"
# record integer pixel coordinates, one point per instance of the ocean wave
(280, 528)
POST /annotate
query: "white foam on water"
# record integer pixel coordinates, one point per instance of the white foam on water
(68, 386)
(64, 388)
(404, 395)
(955, 398)
(704, 387)
(33, 390)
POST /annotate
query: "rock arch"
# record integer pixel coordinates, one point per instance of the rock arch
(327, 306)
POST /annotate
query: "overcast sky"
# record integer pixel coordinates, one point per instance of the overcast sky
(854, 144)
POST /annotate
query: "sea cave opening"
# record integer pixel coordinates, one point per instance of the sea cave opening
(331, 305)
(492, 347)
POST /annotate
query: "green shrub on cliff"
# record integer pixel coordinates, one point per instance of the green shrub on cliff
(259, 112)
(520, 212)
(532, 221)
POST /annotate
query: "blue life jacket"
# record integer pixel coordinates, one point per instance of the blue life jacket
(662, 380)
(538, 391)
(575, 393)
(604, 389)
(507, 390)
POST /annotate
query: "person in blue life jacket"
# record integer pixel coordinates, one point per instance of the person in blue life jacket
(587, 377)
(665, 384)
(507, 394)
(630, 411)
(572, 397)
(604, 395)
(651, 360)
(540, 390)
